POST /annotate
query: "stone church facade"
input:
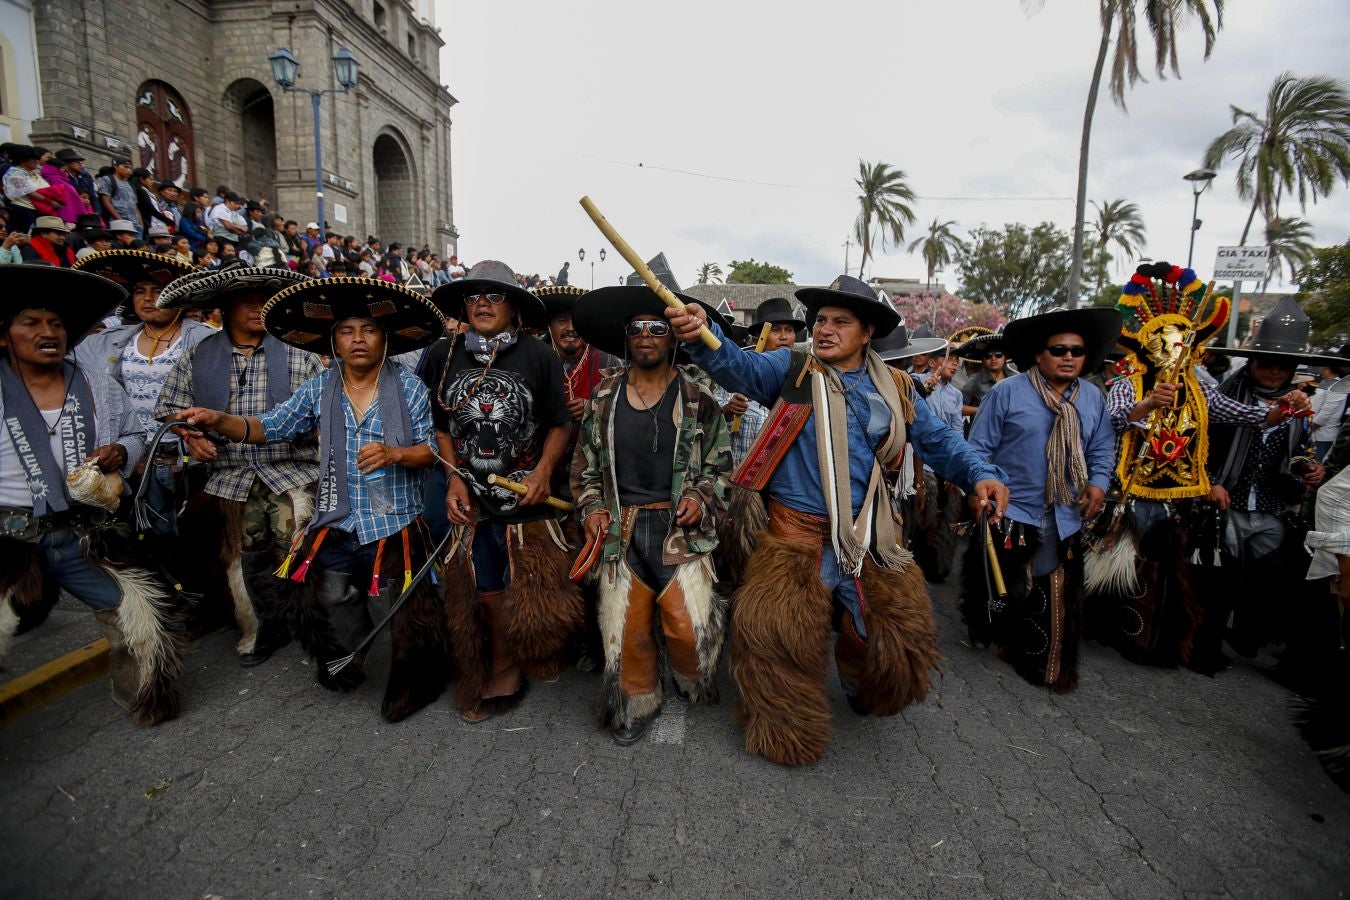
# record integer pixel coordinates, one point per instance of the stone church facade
(184, 87)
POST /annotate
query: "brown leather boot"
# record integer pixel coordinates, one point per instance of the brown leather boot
(124, 673)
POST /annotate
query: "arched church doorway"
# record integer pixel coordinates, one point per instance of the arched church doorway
(395, 192)
(253, 156)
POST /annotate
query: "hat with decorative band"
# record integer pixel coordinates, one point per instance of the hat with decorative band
(304, 315)
(217, 288)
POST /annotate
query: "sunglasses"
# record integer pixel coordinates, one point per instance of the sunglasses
(994, 354)
(652, 327)
(494, 299)
(1077, 351)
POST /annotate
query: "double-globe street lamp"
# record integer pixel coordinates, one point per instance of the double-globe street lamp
(581, 255)
(285, 71)
(1200, 180)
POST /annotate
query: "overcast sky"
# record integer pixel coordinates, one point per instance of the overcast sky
(772, 105)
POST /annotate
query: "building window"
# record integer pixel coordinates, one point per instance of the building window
(412, 46)
(164, 142)
(381, 21)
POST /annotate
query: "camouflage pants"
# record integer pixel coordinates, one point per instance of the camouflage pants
(269, 519)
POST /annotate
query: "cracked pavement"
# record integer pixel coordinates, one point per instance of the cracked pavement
(1142, 783)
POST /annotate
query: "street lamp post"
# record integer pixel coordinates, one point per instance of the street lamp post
(1200, 180)
(285, 71)
(581, 255)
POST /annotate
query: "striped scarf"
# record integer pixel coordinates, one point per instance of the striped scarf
(873, 531)
(1067, 469)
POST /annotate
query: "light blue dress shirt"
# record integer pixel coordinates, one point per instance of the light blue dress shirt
(1012, 430)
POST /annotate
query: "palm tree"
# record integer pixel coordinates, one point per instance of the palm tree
(883, 204)
(1118, 19)
(1118, 225)
(710, 273)
(939, 247)
(1291, 243)
(1301, 145)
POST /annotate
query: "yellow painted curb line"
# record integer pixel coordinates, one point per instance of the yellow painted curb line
(52, 680)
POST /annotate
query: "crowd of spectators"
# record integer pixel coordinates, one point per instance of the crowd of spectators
(55, 210)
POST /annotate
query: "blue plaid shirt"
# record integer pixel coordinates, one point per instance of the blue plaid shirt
(405, 486)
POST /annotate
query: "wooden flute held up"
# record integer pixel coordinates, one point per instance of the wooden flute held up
(628, 253)
(759, 348)
(516, 487)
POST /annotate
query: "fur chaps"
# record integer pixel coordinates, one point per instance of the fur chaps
(543, 611)
(779, 649)
(147, 617)
(419, 665)
(737, 534)
(688, 618)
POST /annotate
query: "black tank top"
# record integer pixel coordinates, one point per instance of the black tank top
(644, 474)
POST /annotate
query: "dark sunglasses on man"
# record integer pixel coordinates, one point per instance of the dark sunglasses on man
(1077, 351)
(652, 326)
(994, 354)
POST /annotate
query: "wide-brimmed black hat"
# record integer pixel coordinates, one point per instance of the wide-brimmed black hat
(601, 316)
(558, 298)
(215, 288)
(129, 268)
(303, 315)
(855, 295)
(490, 277)
(976, 347)
(900, 344)
(779, 309)
(1099, 328)
(79, 298)
(1283, 335)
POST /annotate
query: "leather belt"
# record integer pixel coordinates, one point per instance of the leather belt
(22, 525)
(663, 504)
(791, 525)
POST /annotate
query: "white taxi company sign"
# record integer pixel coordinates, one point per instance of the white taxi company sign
(1241, 263)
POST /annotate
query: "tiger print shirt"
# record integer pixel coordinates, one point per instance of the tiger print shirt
(498, 416)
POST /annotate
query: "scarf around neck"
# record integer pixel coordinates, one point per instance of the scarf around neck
(484, 348)
(1066, 472)
(29, 434)
(873, 530)
(211, 380)
(334, 498)
(1230, 445)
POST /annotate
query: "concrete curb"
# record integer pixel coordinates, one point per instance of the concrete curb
(53, 680)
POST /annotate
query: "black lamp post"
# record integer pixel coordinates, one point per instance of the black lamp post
(581, 255)
(1200, 180)
(285, 72)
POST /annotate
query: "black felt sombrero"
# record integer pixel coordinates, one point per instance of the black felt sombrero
(1099, 328)
(490, 277)
(900, 344)
(81, 299)
(1283, 336)
(601, 316)
(129, 268)
(975, 348)
(857, 296)
(558, 298)
(215, 288)
(303, 315)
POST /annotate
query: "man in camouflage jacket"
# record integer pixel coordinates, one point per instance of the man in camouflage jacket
(649, 478)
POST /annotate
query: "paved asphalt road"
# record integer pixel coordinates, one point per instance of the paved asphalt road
(1143, 783)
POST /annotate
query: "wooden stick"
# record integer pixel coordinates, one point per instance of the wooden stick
(759, 348)
(640, 267)
(995, 569)
(516, 487)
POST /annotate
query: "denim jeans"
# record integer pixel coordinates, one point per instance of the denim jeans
(844, 586)
(64, 560)
(491, 564)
